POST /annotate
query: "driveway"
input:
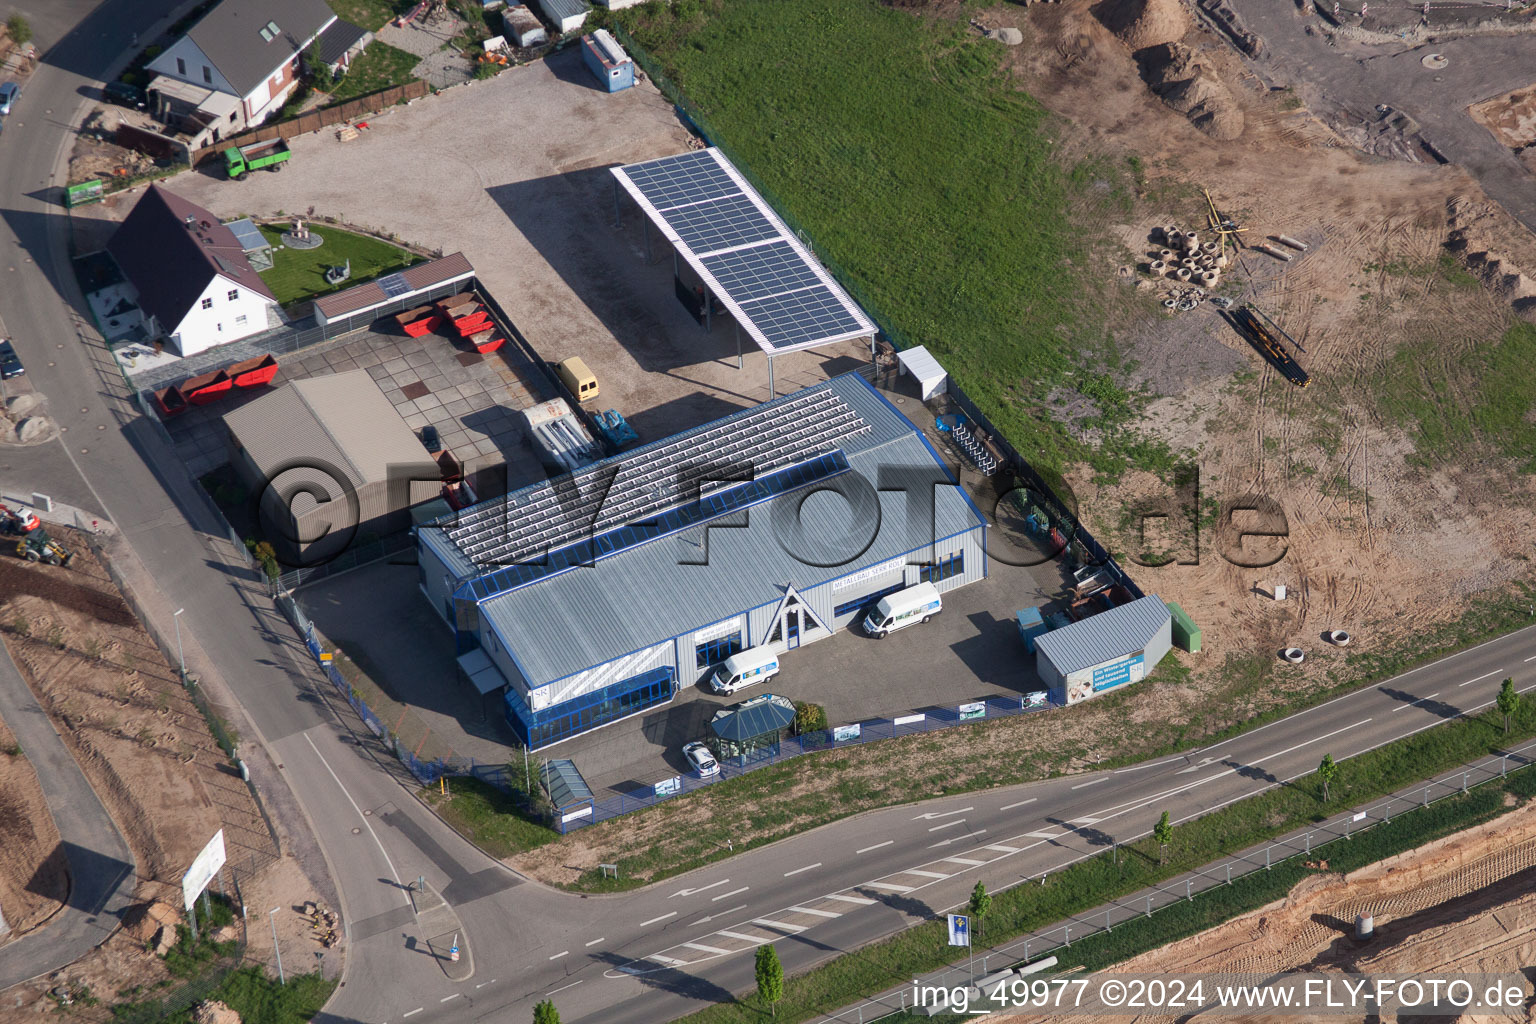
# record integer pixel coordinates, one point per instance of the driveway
(513, 171)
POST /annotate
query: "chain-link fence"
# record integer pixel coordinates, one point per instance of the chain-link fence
(1310, 842)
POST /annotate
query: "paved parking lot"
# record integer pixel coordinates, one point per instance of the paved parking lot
(513, 171)
(471, 399)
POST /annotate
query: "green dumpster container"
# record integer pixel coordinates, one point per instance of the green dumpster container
(1185, 633)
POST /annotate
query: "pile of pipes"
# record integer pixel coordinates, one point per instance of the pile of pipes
(1182, 300)
(1186, 260)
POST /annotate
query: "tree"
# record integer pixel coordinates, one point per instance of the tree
(1163, 833)
(545, 1013)
(981, 902)
(809, 718)
(19, 29)
(1508, 701)
(770, 977)
(1328, 772)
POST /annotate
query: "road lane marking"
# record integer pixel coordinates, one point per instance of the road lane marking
(1000, 848)
(889, 886)
(1298, 746)
(860, 900)
(957, 821)
(808, 867)
(1531, 658)
(790, 929)
(814, 912)
(1021, 803)
(706, 949)
(596, 941)
(413, 1012)
(562, 988)
(1154, 764)
(922, 874)
(756, 940)
(702, 888)
(967, 861)
(728, 895)
(931, 815)
(877, 846)
(717, 914)
(670, 961)
(653, 920)
(563, 952)
(446, 998)
(1091, 782)
(1419, 701)
(1486, 675)
(360, 814)
(972, 834)
(1045, 835)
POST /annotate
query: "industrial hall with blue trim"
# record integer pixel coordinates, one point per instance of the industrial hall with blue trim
(602, 593)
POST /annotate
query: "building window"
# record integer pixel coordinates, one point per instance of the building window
(234, 295)
(944, 568)
(181, 67)
(713, 651)
(539, 728)
(860, 603)
(219, 328)
(207, 74)
(240, 320)
(207, 303)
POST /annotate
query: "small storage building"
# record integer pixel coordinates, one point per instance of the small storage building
(607, 60)
(565, 15)
(1104, 651)
(1185, 633)
(523, 27)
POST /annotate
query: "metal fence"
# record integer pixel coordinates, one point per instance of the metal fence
(1311, 842)
(354, 557)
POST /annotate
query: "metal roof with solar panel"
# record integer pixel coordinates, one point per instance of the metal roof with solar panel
(749, 259)
(252, 242)
(393, 285)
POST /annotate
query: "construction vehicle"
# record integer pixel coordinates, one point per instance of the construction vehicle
(37, 546)
(242, 160)
(18, 521)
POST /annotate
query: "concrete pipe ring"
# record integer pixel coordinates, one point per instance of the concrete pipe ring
(1294, 655)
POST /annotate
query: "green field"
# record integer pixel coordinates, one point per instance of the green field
(299, 274)
(369, 14)
(928, 183)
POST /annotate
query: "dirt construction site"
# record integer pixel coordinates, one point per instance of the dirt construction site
(149, 755)
(1405, 277)
(1463, 904)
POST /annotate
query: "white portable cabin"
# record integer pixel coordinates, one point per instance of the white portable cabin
(523, 27)
(565, 15)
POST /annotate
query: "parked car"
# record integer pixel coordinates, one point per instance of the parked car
(10, 362)
(430, 438)
(8, 93)
(702, 759)
(122, 94)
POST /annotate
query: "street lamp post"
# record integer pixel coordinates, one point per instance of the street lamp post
(180, 657)
(275, 948)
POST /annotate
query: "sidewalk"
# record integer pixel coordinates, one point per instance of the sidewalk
(101, 867)
(1303, 842)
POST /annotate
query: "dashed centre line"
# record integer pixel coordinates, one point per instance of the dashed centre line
(957, 821)
(808, 867)
(655, 920)
(1091, 782)
(727, 895)
(877, 846)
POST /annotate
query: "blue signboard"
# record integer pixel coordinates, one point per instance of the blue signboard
(1127, 670)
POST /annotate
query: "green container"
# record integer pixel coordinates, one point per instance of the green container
(1185, 633)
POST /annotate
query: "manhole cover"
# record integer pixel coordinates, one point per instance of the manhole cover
(1434, 61)
(357, 831)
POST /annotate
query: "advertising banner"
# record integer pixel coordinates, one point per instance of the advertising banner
(204, 867)
(1127, 670)
(968, 711)
(844, 732)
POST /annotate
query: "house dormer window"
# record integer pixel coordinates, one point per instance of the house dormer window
(207, 303)
(181, 66)
(234, 294)
(269, 32)
(207, 74)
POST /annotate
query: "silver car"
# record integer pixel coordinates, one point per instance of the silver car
(8, 93)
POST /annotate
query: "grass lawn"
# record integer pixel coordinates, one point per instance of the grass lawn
(299, 274)
(488, 817)
(369, 14)
(379, 67)
(927, 181)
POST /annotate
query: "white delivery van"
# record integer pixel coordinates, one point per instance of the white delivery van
(915, 604)
(743, 669)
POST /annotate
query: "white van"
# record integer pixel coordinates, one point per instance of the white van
(743, 669)
(915, 604)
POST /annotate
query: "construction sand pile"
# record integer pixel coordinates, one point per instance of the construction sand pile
(1496, 270)
(1192, 88)
(1144, 23)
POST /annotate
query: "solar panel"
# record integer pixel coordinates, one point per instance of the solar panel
(678, 180)
(744, 252)
(720, 224)
(797, 317)
(760, 271)
(248, 235)
(394, 285)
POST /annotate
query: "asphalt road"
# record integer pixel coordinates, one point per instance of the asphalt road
(101, 877)
(645, 956)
